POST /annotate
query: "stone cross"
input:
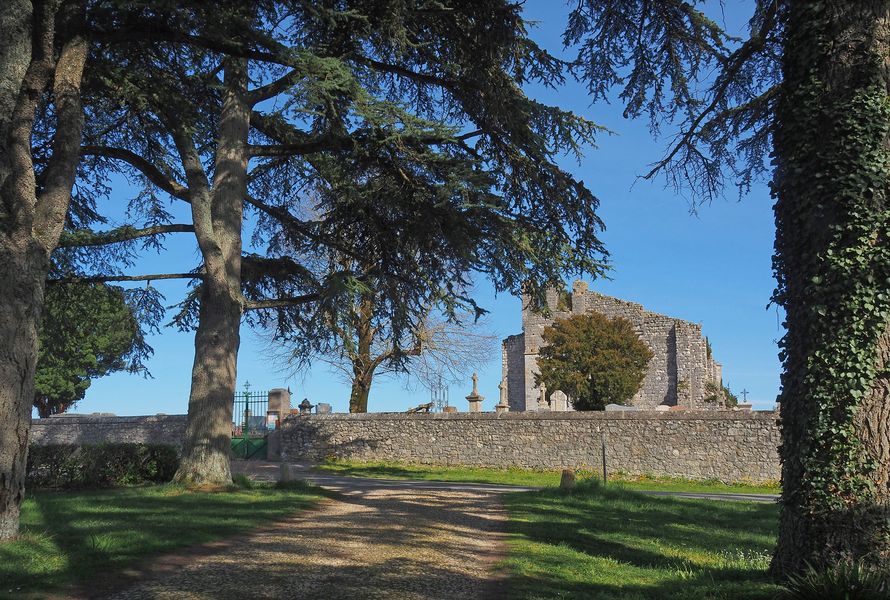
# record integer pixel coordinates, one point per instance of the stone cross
(542, 401)
(503, 405)
(475, 399)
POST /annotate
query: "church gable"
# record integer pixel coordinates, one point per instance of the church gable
(681, 373)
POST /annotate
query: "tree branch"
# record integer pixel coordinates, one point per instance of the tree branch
(147, 168)
(280, 302)
(424, 78)
(109, 278)
(158, 32)
(289, 221)
(60, 173)
(84, 237)
(274, 88)
(296, 149)
(734, 62)
(254, 267)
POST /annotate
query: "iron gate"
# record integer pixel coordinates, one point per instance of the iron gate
(249, 426)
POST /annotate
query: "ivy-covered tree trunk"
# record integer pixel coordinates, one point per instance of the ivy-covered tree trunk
(217, 215)
(832, 190)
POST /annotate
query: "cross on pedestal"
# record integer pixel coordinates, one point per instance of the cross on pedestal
(744, 394)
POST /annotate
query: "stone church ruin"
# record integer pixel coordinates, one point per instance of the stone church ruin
(682, 372)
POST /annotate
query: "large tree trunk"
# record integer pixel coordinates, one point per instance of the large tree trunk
(358, 396)
(206, 450)
(23, 269)
(31, 217)
(217, 218)
(19, 293)
(363, 363)
(832, 186)
(15, 56)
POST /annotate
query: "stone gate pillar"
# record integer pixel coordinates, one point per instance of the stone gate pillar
(279, 402)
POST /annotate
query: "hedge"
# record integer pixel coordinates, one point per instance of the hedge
(101, 465)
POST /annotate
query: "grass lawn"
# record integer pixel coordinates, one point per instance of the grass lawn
(610, 543)
(71, 538)
(525, 477)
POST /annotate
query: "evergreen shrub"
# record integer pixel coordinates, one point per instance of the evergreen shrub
(100, 465)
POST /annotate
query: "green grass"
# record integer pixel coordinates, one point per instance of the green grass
(71, 538)
(610, 543)
(390, 470)
(674, 484)
(525, 477)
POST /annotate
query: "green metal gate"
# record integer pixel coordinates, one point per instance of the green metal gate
(249, 447)
(249, 429)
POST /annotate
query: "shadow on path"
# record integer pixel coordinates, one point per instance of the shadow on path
(369, 542)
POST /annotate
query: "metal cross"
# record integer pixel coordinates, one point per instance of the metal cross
(744, 394)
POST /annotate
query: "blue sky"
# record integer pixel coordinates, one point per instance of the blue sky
(713, 268)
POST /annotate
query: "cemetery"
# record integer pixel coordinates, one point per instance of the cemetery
(579, 300)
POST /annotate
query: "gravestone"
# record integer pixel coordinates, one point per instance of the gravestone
(559, 402)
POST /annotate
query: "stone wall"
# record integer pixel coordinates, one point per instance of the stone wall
(725, 445)
(678, 373)
(96, 429)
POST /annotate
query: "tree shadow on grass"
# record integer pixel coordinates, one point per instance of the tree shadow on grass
(71, 538)
(372, 544)
(611, 543)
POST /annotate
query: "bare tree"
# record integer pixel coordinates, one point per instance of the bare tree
(452, 351)
(361, 347)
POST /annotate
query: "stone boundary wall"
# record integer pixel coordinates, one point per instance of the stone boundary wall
(725, 445)
(97, 429)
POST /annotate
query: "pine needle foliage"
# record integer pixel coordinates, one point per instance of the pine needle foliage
(392, 132)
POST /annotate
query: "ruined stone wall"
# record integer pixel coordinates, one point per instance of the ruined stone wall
(678, 373)
(513, 369)
(725, 445)
(98, 429)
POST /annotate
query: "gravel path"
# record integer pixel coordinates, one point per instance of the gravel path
(371, 542)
